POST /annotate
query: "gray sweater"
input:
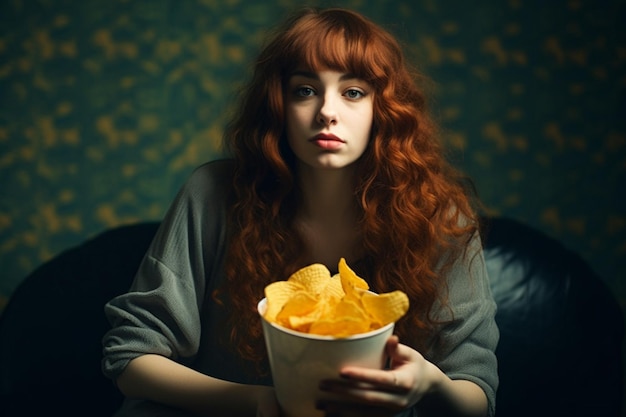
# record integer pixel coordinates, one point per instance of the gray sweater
(169, 310)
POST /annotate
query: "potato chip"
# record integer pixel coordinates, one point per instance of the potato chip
(349, 279)
(351, 308)
(277, 294)
(300, 303)
(387, 307)
(334, 287)
(303, 323)
(314, 277)
(313, 301)
(339, 327)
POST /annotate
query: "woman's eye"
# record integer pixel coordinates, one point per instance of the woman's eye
(354, 94)
(304, 92)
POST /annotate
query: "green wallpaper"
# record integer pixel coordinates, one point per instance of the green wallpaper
(106, 107)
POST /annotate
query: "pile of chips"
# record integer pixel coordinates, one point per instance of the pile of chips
(313, 301)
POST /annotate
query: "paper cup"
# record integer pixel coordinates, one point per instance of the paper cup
(299, 361)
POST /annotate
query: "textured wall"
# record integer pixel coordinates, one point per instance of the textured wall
(107, 105)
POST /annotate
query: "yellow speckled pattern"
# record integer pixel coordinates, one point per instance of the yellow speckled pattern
(108, 105)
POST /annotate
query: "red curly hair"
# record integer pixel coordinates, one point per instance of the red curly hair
(412, 202)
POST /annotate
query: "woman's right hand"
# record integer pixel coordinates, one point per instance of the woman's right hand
(162, 380)
(268, 404)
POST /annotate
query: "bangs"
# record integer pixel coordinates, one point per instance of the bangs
(341, 43)
(332, 51)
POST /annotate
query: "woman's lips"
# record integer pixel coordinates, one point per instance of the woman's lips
(327, 141)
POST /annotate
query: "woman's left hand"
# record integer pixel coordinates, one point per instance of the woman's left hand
(373, 392)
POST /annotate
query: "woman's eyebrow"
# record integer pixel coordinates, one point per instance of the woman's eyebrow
(315, 76)
(305, 74)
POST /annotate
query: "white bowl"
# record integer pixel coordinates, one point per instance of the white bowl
(299, 361)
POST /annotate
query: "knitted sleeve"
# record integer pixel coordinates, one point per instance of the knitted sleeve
(469, 339)
(160, 314)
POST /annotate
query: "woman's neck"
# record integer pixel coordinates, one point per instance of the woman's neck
(327, 218)
(327, 196)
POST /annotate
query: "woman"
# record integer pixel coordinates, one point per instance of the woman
(333, 155)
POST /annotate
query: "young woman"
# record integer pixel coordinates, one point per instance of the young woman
(333, 155)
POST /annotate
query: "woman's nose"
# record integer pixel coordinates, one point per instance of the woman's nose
(327, 114)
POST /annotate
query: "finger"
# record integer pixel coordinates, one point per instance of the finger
(354, 375)
(346, 409)
(356, 392)
(389, 380)
(364, 382)
(392, 344)
(400, 354)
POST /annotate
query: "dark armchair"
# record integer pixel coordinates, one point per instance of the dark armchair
(560, 352)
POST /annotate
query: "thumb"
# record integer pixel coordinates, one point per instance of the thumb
(397, 353)
(391, 347)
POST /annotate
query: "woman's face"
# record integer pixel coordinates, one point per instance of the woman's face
(329, 118)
